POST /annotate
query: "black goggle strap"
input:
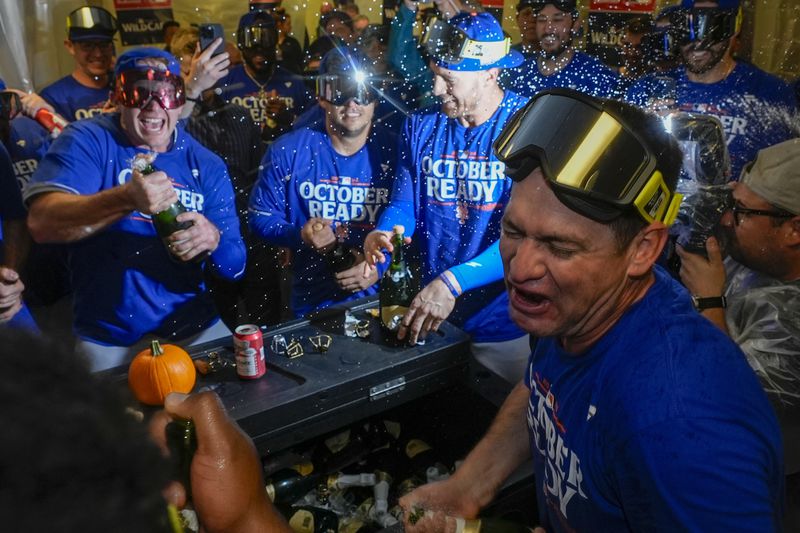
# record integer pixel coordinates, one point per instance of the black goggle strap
(654, 201)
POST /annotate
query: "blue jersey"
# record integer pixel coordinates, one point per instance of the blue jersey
(27, 145)
(239, 88)
(450, 192)
(583, 73)
(660, 426)
(125, 283)
(75, 101)
(302, 176)
(756, 109)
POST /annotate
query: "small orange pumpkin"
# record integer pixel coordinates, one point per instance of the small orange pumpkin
(159, 370)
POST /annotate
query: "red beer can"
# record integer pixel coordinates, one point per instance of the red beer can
(249, 346)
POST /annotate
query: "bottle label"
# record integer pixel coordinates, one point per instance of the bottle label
(302, 521)
(391, 315)
(415, 447)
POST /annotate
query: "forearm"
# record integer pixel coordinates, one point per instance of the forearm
(229, 259)
(504, 447)
(484, 268)
(64, 217)
(16, 243)
(274, 229)
(717, 317)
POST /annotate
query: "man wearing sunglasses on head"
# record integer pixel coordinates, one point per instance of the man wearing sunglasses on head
(756, 109)
(88, 191)
(753, 294)
(557, 63)
(322, 187)
(273, 95)
(450, 193)
(85, 92)
(639, 415)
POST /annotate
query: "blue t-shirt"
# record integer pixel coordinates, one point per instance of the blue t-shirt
(125, 283)
(27, 145)
(756, 109)
(74, 101)
(450, 193)
(239, 88)
(583, 73)
(302, 176)
(659, 426)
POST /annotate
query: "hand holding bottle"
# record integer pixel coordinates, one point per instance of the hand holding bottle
(434, 505)
(353, 278)
(318, 234)
(200, 238)
(150, 193)
(430, 307)
(374, 244)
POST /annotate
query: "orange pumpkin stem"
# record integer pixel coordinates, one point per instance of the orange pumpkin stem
(155, 348)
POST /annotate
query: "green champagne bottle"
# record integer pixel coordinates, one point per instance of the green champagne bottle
(166, 221)
(398, 285)
(182, 444)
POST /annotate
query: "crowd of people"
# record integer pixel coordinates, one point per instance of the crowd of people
(537, 187)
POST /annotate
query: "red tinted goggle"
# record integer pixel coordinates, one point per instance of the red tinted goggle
(10, 105)
(136, 88)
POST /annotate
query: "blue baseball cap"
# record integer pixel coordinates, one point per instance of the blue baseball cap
(721, 4)
(471, 42)
(142, 59)
(256, 18)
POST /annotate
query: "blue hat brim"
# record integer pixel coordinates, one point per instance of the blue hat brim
(512, 59)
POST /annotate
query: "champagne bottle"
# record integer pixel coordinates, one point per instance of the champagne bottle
(397, 287)
(341, 257)
(309, 519)
(423, 461)
(182, 444)
(489, 525)
(288, 485)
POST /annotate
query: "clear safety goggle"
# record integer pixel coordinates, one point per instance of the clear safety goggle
(339, 90)
(87, 18)
(451, 45)
(265, 37)
(704, 24)
(136, 88)
(585, 152)
(10, 105)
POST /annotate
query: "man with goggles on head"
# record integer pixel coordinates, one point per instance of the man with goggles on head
(322, 187)
(273, 95)
(89, 191)
(450, 193)
(638, 414)
(558, 64)
(756, 109)
(90, 41)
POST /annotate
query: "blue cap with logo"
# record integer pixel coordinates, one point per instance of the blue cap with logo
(142, 59)
(471, 42)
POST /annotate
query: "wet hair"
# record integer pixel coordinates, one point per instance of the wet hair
(184, 42)
(71, 458)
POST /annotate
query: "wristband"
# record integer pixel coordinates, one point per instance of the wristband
(449, 285)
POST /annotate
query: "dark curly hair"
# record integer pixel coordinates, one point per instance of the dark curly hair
(71, 458)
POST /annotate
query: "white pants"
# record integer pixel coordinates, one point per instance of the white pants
(507, 359)
(104, 357)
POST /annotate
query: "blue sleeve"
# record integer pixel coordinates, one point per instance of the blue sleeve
(484, 268)
(11, 207)
(228, 260)
(638, 93)
(403, 54)
(268, 203)
(404, 200)
(669, 478)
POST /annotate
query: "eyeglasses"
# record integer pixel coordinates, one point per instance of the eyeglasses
(136, 88)
(739, 211)
(10, 105)
(595, 163)
(88, 46)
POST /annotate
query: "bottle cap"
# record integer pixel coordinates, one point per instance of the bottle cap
(399, 230)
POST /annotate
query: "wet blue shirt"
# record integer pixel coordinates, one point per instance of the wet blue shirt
(74, 101)
(661, 425)
(27, 145)
(583, 73)
(756, 108)
(126, 285)
(450, 193)
(301, 177)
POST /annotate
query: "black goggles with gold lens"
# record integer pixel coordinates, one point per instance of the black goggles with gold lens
(596, 164)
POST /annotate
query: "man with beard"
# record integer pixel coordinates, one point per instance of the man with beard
(322, 188)
(753, 295)
(273, 95)
(84, 92)
(756, 109)
(638, 414)
(130, 285)
(526, 22)
(558, 64)
(450, 193)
